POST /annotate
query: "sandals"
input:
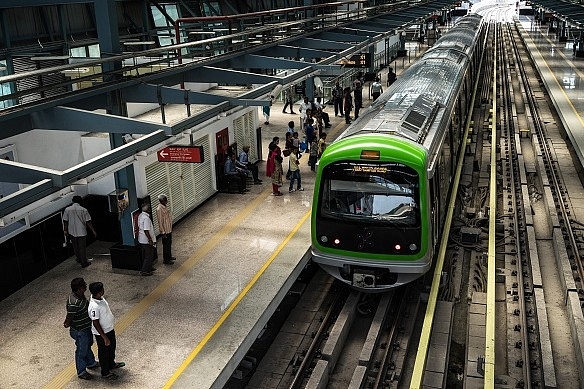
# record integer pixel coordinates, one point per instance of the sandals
(118, 365)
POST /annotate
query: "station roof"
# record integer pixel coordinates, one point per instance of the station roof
(572, 12)
(318, 49)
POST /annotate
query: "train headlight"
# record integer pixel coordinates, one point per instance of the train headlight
(397, 247)
(413, 247)
(336, 241)
(324, 239)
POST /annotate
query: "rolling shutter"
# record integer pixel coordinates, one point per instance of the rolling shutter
(187, 185)
(244, 133)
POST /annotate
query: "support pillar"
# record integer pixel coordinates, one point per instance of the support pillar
(109, 40)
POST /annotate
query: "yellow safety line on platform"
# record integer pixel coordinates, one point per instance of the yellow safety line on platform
(137, 310)
(489, 378)
(560, 86)
(233, 305)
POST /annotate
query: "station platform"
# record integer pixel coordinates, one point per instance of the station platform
(190, 323)
(561, 72)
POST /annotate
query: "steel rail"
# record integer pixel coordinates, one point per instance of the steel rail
(424, 343)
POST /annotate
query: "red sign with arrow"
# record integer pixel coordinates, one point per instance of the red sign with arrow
(193, 154)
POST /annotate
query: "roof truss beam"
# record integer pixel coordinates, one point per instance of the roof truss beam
(148, 93)
(73, 119)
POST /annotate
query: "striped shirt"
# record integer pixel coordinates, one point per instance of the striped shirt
(77, 312)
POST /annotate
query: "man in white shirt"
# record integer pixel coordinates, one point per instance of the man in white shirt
(376, 89)
(76, 220)
(102, 326)
(304, 106)
(147, 240)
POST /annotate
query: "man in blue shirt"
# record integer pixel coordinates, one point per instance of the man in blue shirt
(246, 164)
(231, 171)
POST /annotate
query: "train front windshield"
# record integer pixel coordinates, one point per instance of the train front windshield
(377, 193)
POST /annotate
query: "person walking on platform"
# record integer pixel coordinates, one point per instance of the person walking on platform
(338, 99)
(103, 328)
(79, 324)
(289, 100)
(376, 89)
(266, 111)
(76, 221)
(146, 240)
(165, 227)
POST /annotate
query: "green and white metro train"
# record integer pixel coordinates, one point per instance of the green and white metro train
(381, 188)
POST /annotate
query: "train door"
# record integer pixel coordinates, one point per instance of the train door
(435, 207)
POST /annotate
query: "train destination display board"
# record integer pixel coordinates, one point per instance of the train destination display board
(360, 60)
(193, 154)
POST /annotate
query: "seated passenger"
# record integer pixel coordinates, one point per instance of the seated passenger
(231, 171)
(245, 163)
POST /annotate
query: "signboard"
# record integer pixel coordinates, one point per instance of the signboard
(361, 60)
(193, 154)
(299, 89)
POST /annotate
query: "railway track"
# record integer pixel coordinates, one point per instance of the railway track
(372, 341)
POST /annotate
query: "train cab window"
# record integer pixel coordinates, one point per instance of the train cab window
(374, 193)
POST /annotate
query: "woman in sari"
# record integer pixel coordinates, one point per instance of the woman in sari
(274, 150)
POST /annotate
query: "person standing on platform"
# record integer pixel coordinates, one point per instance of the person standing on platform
(165, 227)
(358, 96)
(391, 76)
(338, 99)
(295, 169)
(348, 105)
(103, 328)
(289, 100)
(321, 144)
(313, 155)
(76, 221)
(277, 176)
(79, 324)
(146, 240)
(274, 150)
(310, 133)
(290, 130)
(376, 89)
(304, 107)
